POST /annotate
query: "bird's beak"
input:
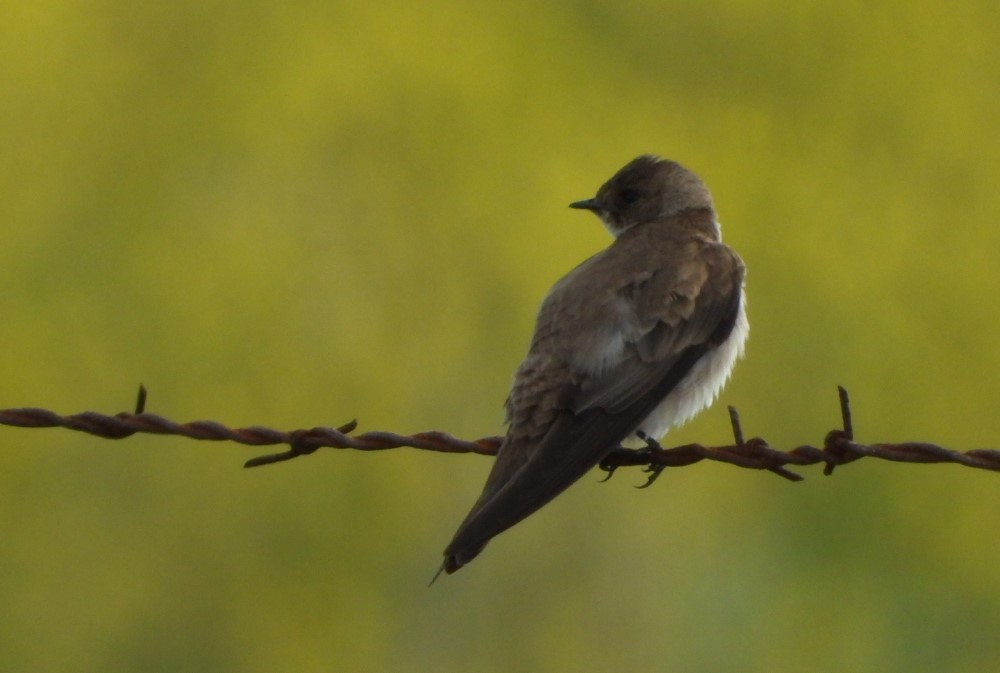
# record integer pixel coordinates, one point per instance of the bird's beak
(586, 204)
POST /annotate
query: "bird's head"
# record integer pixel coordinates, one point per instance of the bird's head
(648, 188)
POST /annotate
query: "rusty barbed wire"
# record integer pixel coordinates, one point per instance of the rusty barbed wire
(839, 447)
(300, 442)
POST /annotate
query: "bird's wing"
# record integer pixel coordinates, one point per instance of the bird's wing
(675, 315)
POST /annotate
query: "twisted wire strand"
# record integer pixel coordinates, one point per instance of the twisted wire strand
(839, 447)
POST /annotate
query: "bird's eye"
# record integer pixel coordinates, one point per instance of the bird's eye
(630, 196)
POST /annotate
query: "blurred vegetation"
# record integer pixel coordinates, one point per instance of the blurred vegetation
(296, 214)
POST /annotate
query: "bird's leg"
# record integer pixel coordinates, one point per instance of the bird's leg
(652, 448)
(620, 456)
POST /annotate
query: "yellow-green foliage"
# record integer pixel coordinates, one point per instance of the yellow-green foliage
(295, 214)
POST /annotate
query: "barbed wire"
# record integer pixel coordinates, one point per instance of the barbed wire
(839, 447)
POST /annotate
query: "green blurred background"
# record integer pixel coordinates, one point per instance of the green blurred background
(297, 214)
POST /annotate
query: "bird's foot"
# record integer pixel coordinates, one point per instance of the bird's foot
(652, 468)
(644, 456)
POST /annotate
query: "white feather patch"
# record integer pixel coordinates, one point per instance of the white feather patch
(702, 384)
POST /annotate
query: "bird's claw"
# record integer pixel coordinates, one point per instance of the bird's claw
(652, 448)
(645, 456)
(654, 474)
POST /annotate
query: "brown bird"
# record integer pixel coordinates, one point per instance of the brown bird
(636, 339)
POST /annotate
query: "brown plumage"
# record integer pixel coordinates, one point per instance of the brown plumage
(639, 337)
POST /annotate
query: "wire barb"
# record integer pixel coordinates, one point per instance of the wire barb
(839, 447)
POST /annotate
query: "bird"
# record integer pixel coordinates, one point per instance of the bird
(638, 338)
